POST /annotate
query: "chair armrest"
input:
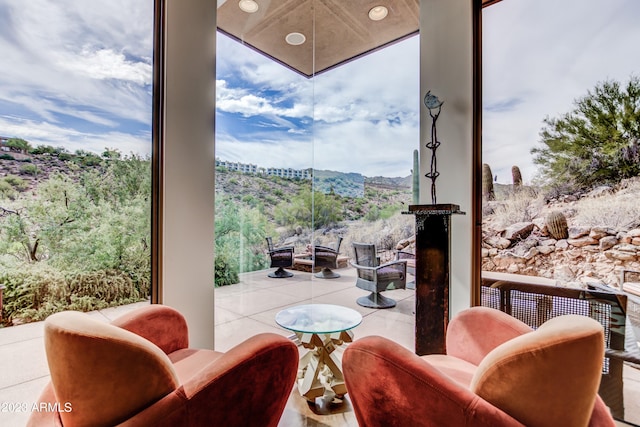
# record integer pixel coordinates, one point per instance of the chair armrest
(162, 325)
(363, 267)
(390, 386)
(282, 249)
(404, 255)
(324, 249)
(399, 263)
(254, 379)
(476, 331)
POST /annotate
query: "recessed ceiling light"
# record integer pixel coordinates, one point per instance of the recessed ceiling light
(249, 6)
(378, 13)
(295, 39)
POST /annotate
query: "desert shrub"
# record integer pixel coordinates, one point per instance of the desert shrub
(239, 241)
(384, 233)
(37, 290)
(226, 270)
(16, 182)
(33, 292)
(307, 207)
(249, 200)
(6, 190)
(516, 207)
(5, 156)
(29, 169)
(103, 286)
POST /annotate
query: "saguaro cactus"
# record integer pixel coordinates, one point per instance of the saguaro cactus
(556, 224)
(487, 183)
(517, 176)
(416, 177)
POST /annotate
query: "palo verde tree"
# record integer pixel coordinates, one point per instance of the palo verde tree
(597, 142)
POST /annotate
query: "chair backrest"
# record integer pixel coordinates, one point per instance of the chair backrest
(365, 254)
(270, 244)
(546, 377)
(338, 243)
(107, 373)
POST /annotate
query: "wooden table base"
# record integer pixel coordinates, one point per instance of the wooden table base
(320, 371)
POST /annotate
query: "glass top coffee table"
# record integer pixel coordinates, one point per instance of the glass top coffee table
(324, 329)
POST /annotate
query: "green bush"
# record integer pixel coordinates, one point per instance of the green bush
(226, 271)
(36, 291)
(29, 170)
(16, 182)
(5, 156)
(6, 190)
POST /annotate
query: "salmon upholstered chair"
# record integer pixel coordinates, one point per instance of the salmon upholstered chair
(140, 371)
(497, 372)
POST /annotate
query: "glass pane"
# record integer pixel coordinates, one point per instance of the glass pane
(561, 156)
(75, 118)
(312, 151)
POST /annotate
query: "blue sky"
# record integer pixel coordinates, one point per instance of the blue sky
(78, 74)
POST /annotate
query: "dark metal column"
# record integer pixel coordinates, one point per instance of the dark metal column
(433, 247)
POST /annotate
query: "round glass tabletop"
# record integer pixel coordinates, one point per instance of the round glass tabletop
(318, 318)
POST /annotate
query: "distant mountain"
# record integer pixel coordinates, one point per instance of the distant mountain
(344, 184)
(387, 182)
(352, 184)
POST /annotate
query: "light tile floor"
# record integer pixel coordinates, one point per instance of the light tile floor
(243, 310)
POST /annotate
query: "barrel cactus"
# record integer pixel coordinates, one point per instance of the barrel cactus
(517, 176)
(556, 224)
(416, 178)
(487, 183)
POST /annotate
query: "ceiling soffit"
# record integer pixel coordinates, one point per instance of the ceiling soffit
(336, 31)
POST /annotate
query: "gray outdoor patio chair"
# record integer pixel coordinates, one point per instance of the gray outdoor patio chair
(281, 258)
(377, 278)
(326, 257)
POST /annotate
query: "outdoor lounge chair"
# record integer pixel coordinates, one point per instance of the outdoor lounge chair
(497, 372)
(140, 371)
(326, 258)
(281, 258)
(377, 278)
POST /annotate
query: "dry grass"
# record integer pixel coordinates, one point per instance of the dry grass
(519, 206)
(618, 211)
(384, 233)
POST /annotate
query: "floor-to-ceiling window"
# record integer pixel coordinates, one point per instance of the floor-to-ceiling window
(75, 141)
(560, 138)
(309, 160)
(560, 147)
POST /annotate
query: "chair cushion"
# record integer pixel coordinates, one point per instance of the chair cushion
(458, 370)
(188, 361)
(390, 274)
(546, 377)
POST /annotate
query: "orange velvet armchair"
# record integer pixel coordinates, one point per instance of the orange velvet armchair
(140, 371)
(497, 372)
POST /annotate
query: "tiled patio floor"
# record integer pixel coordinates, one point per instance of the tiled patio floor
(243, 310)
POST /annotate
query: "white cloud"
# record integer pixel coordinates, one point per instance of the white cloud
(365, 113)
(107, 64)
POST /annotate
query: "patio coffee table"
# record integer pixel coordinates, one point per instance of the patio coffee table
(323, 329)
